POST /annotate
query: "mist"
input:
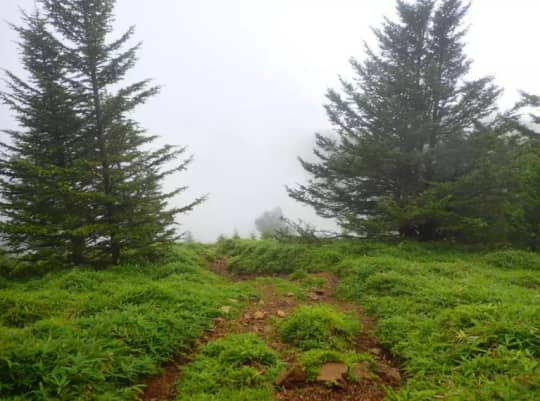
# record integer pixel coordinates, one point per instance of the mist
(243, 87)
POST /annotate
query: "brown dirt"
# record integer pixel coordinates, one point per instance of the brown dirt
(259, 317)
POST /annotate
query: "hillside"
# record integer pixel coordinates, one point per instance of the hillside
(261, 320)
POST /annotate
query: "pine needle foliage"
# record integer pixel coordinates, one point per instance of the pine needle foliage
(403, 122)
(111, 190)
(44, 178)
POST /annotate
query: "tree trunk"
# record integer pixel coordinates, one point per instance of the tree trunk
(77, 249)
(115, 250)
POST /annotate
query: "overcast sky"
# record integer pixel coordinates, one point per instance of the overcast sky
(244, 82)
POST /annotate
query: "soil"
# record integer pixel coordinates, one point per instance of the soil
(259, 317)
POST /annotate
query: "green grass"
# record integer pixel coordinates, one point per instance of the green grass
(322, 334)
(463, 324)
(321, 326)
(299, 288)
(239, 367)
(268, 256)
(94, 335)
(462, 330)
(252, 256)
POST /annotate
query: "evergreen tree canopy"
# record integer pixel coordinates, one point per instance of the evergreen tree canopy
(526, 205)
(402, 124)
(77, 115)
(43, 178)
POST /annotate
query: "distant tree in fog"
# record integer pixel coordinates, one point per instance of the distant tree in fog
(270, 222)
(188, 237)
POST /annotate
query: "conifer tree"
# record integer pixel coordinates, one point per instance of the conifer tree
(123, 208)
(526, 205)
(131, 209)
(402, 124)
(43, 181)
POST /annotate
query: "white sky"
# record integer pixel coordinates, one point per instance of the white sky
(244, 83)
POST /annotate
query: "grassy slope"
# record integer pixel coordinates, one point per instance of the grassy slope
(108, 328)
(465, 326)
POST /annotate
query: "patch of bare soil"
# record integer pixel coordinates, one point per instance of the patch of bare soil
(260, 317)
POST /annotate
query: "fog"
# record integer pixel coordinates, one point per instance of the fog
(244, 83)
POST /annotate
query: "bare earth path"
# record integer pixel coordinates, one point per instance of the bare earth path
(259, 316)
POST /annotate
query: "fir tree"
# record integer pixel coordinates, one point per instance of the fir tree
(119, 206)
(42, 182)
(131, 209)
(526, 205)
(402, 124)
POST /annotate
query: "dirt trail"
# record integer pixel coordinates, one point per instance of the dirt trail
(259, 317)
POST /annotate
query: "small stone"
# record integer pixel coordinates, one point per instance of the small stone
(247, 316)
(389, 373)
(394, 375)
(376, 351)
(226, 309)
(289, 295)
(296, 375)
(313, 297)
(333, 374)
(281, 313)
(259, 315)
(362, 372)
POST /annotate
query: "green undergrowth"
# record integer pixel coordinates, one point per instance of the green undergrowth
(321, 326)
(463, 324)
(252, 256)
(299, 288)
(323, 334)
(94, 335)
(240, 367)
(463, 330)
(269, 256)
